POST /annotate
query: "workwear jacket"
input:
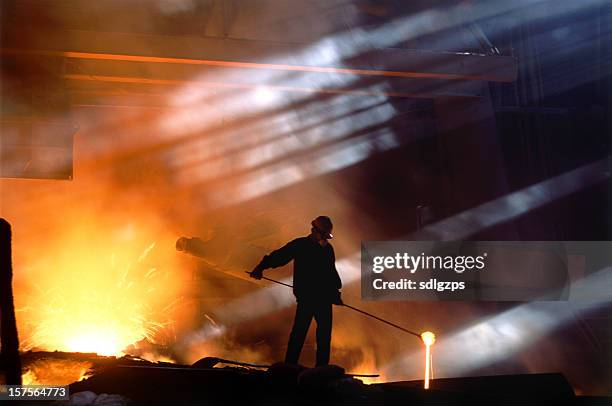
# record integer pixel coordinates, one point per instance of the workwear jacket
(314, 269)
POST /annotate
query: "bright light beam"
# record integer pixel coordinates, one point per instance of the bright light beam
(515, 204)
(500, 337)
(266, 152)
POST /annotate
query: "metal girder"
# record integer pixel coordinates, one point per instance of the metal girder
(267, 55)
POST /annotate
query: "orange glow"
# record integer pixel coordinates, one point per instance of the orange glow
(429, 339)
(56, 372)
(369, 380)
(368, 366)
(99, 288)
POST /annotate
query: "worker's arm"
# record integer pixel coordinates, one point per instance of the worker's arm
(275, 259)
(337, 279)
(338, 282)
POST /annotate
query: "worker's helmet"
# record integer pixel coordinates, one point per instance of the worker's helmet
(323, 225)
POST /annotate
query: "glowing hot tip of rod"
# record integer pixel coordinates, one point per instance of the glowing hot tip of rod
(428, 338)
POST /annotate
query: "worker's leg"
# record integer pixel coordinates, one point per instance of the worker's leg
(301, 323)
(323, 316)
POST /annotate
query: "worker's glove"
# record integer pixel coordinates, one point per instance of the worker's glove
(337, 299)
(257, 272)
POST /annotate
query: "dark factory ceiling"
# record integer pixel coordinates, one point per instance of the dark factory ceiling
(263, 20)
(145, 47)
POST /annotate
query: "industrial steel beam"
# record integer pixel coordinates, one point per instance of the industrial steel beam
(264, 55)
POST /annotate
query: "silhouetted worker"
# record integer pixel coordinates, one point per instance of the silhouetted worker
(316, 286)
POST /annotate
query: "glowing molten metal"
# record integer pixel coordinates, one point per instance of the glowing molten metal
(429, 339)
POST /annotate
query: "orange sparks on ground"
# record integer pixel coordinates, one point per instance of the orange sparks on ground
(429, 339)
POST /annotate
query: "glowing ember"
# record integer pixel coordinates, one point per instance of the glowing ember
(429, 339)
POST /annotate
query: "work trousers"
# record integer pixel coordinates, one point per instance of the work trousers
(305, 311)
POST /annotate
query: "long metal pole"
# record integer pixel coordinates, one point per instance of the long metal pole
(383, 320)
(355, 309)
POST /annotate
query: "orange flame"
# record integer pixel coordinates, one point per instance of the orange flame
(94, 292)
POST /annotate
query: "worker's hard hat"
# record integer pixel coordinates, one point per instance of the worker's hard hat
(323, 225)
